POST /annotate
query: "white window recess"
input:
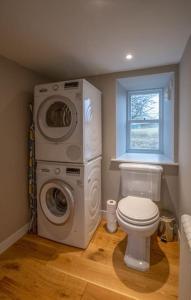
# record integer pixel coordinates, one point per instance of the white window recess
(146, 118)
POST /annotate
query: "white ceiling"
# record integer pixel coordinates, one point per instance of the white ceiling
(75, 38)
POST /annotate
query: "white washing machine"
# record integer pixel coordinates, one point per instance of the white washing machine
(68, 201)
(67, 118)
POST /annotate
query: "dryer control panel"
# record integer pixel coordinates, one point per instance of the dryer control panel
(73, 171)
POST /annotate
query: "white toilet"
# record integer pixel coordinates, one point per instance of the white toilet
(137, 214)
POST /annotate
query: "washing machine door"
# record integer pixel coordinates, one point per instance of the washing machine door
(56, 200)
(57, 118)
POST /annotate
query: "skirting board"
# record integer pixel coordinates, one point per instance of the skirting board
(4, 245)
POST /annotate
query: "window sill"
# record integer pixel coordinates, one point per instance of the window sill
(157, 159)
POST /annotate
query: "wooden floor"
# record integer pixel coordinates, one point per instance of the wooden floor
(35, 268)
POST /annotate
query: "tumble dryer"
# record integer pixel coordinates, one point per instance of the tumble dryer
(67, 118)
(68, 201)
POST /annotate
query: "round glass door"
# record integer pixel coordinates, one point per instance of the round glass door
(56, 201)
(57, 118)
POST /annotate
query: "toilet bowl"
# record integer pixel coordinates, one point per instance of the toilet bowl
(139, 218)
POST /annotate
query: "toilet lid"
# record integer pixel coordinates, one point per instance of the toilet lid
(138, 209)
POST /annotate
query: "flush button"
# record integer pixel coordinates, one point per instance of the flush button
(57, 171)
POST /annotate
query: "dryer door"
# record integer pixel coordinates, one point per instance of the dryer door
(57, 118)
(57, 201)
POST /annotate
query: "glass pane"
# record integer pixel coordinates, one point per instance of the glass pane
(56, 202)
(145, 106)
(144, 136)
(58, 115)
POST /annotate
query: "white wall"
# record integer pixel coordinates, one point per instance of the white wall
(16, 90)
(185, 131)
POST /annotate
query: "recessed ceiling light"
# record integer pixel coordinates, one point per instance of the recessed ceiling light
(129, 56)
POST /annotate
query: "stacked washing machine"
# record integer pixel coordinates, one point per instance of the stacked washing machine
(68, 150)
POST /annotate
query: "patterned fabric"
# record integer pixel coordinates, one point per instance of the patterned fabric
(32, 176)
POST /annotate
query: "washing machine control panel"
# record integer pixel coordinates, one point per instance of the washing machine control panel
(73, 171)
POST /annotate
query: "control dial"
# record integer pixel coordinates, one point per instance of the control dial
(57, 171)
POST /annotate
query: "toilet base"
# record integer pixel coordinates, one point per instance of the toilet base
(137, 255)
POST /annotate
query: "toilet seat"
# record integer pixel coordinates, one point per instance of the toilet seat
(138, 211)
(138, 223)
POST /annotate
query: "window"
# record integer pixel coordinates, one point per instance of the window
(144, 121)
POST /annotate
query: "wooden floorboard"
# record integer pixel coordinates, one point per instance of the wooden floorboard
(36, 268)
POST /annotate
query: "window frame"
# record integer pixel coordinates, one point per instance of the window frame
(159, 121)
